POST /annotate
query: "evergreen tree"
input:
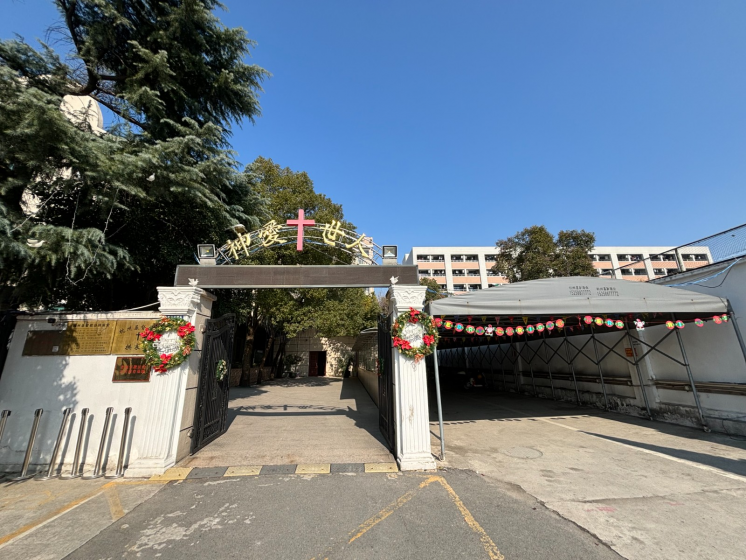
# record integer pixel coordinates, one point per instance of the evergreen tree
(535, 253)
(95, 220)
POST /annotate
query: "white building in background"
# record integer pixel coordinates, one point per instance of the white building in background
(465, 269)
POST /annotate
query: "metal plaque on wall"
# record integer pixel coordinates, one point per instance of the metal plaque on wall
(88, 338)
(126, 339)
(130, 369)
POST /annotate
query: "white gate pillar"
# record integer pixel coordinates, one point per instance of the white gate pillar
(411, 412)
(170, 409)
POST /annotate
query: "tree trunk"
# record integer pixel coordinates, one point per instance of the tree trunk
(278, 359)
(267, 350)
(248, 351)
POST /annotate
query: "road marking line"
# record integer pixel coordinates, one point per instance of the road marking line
(713, 470)
(29, 527)
(489, 546)
(115, 504)
(387, 511)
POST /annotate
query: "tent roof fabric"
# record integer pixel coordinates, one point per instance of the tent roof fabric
(577, 295)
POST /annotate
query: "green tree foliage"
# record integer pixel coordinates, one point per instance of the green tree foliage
(434, 290)
(97, 220)
(285, 313)
(535, 253)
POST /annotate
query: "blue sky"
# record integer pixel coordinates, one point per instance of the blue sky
(460, 123)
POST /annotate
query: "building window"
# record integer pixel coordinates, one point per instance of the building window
(459, 288)
(629, 258)
(668, 257)
(471, 258)
(660, 271)
(627, 272)
(601, 258)
(472, 273)
(695, 257)
(490, 258)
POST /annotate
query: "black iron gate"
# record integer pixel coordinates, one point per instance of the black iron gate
(386, 383)
(214, 377)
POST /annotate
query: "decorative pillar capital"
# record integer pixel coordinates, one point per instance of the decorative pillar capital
(404, 297)
(182, 300)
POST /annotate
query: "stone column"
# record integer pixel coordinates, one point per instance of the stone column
(410, 389)
(165, 407)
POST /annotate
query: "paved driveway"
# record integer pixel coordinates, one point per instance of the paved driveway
(293, 421)
(649, 490)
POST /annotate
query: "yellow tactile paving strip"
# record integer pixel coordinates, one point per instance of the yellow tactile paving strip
(313, 469)
(243, 471)
(181, 473)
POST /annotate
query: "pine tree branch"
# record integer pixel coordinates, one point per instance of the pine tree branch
(113, 108)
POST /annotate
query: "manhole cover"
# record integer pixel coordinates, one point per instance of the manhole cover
(523, 453)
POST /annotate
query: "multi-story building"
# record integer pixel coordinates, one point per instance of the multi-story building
(464, 269)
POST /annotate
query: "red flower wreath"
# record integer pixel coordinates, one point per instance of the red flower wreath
(163, 362)
(429, 337)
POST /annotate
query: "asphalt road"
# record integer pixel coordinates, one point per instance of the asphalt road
(448, 514)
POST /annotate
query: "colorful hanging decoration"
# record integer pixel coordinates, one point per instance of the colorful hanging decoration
(609, 322)
(458, 327)
(469, 329)
(559, 323)
(438, 321)
(587, 319)
(540, 327)
(480, 331)
(717, 319)
(669, 325)
(699, 322)
(599, 321)
(519, 330)
(530, 329)
(509, 331)
(448, 325)
(679, 324)
(489, 330)
(639, 324)
(724, 318)
(499, 331)
(619, 324)
(425, 330)
(549, 326)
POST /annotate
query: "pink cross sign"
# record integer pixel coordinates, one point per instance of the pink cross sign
(300, 222)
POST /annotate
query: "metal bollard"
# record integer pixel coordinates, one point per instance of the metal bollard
(27, 459)
(50, 471)
(3, 420)
(74, 472)
(120, 460)
(100, 456)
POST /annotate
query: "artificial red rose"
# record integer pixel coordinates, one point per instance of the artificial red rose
(151, 335)
(428, 339)
(144, 333)
(165, 357)
(157, 336)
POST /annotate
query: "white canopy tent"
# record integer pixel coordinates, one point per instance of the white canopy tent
(570, 299)
(577, 295)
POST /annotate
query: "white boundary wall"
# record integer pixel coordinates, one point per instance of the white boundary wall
(159, 425)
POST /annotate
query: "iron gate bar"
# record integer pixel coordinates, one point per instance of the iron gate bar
(691, 381)
(572, 368)
(639, 371)
(211, 407)
(581, 350)
(386, 397)
(598, 363)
